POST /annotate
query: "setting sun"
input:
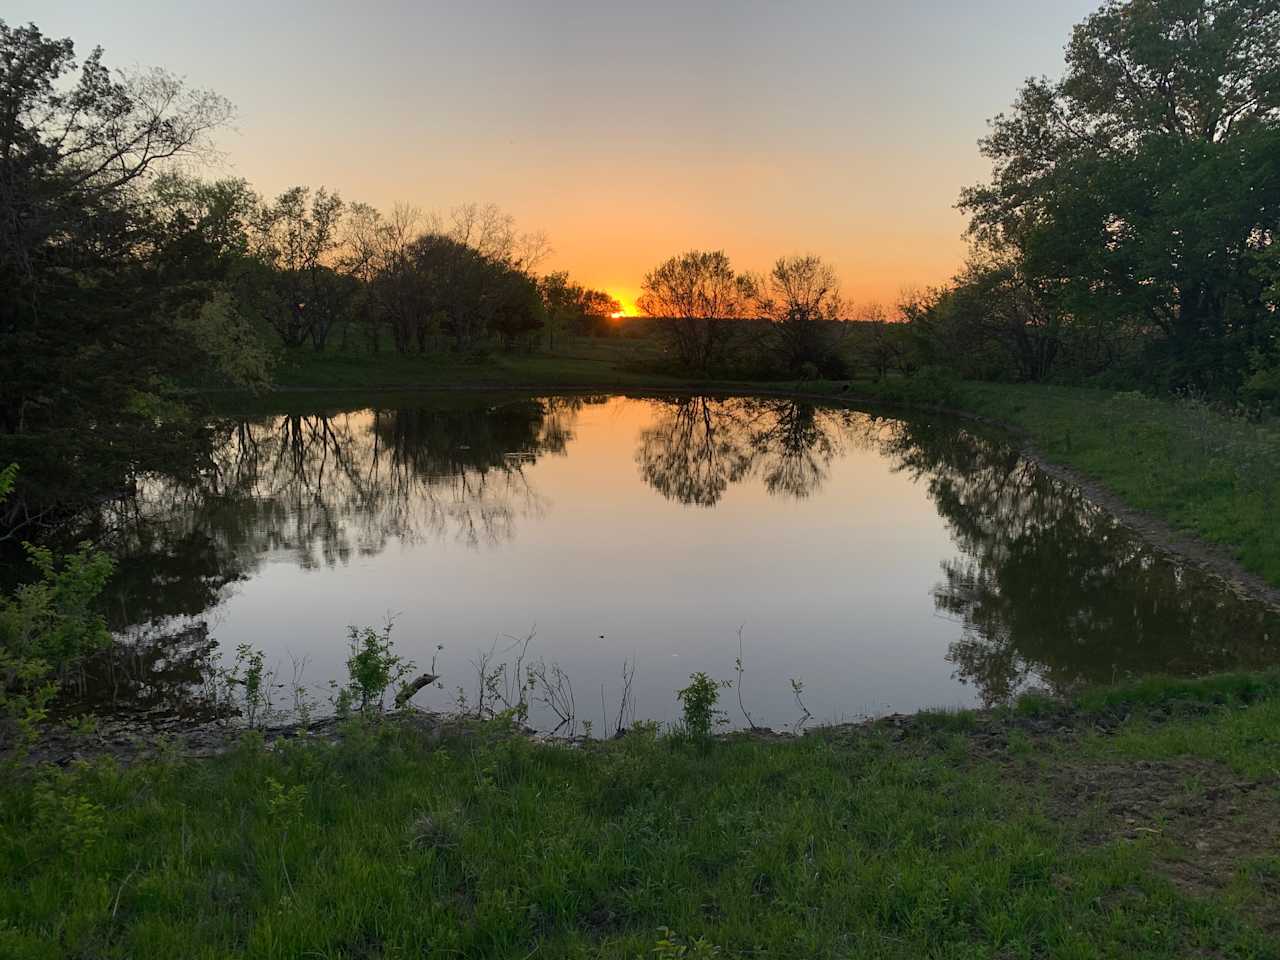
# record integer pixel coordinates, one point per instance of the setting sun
(626, 298)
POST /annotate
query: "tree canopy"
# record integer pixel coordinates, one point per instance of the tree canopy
(1140, 192)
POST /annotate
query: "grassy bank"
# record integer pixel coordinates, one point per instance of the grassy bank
(580, 362)
(1206, 473)
(1142, 823)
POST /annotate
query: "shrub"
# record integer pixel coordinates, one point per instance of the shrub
(372, 669)
(699, 700)
(46, 625)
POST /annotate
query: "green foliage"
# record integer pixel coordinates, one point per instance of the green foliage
(400, 843)
(671, 946)
(699, 702)
(373, 667)
(929, 386)
(1220, 690)
(70, 822)
(46, 625)
(248, 685)
(285, 804)
(91, 272)
(1261, 389)
(1138, 194)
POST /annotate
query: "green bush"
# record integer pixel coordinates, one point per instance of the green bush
(699, 700)
(45, 626)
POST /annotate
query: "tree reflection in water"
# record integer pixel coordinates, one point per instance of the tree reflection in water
(1045, 588)
(697, 447)
(1048, 588)
(319, 487)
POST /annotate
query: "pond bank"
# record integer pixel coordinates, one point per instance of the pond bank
(1138, 822)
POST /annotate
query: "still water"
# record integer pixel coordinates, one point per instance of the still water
(884, 564)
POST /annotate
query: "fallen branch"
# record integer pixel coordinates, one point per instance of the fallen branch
(408, 690)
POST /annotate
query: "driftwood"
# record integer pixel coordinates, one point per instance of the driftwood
(413, 686)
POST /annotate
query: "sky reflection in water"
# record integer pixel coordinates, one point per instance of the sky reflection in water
(888, 564)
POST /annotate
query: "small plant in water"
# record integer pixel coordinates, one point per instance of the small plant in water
(699, 700)
(246, 686)
(372, 668)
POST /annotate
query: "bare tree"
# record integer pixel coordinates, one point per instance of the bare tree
(696, 295)
(801, 296)
(490, 231)
(297, 240)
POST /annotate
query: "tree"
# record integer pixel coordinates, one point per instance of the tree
(562, 301)
(87, 338)
(202, 255)
(695, 296)
(994, 301)
(492, 233)
(598, 308)
(570, 306)
(296, 241)
(1139, 187)
(887, 344)
(800, 296)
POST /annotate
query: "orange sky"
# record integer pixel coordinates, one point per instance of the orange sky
(627, 132)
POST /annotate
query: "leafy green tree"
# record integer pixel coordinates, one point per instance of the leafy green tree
(89, 287)
(1139, 187)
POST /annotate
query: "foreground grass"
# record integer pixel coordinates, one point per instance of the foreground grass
(402, 843)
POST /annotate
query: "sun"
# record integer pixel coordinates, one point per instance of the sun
(626, 304)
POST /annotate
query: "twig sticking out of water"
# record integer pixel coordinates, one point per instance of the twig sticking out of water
(797, 688)
(628, 674)
(738, 663)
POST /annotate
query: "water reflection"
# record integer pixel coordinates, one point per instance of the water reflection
(1042, 587)
(322, 488)
(698, 447)
(1050, 589)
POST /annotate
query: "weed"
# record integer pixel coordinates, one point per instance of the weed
(373, 667)
(699, 701)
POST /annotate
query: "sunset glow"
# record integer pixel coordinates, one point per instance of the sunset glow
(626, 133)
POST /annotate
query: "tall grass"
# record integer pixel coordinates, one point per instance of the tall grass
(397, 841)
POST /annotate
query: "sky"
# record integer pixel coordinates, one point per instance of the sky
(627, 132)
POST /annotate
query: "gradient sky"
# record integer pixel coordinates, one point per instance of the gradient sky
(626, 131)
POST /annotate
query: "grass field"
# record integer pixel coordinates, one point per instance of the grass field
(1149, 827)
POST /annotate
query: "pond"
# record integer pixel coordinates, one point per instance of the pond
(869, 563)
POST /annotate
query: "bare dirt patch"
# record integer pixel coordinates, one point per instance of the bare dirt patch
(1206, 821)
